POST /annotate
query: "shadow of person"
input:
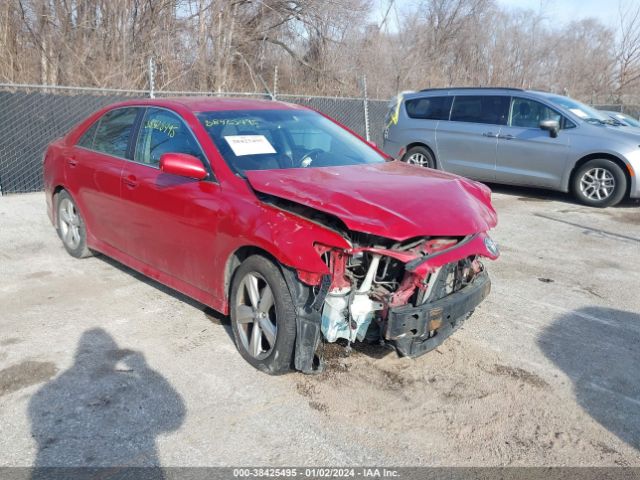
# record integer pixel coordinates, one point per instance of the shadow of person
(104, 411)
(599, 349)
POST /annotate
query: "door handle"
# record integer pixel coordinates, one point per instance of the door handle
(72, 162)
(490, 134)
(130, 181)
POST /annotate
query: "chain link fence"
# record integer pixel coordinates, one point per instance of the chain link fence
(32, 116)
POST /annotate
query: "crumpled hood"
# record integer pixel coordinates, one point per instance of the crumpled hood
(392, 199)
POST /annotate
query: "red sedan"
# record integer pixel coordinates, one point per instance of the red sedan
(278, 216)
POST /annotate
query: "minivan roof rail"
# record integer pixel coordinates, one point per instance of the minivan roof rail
(471, 88)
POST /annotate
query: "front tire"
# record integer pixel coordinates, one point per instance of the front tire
(599, 183)
(263, 316)
(420, 156)
(70, 226)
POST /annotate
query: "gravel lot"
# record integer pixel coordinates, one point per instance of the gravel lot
(99, 366)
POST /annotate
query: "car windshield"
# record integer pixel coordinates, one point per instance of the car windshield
(280, 139)
(579, 109)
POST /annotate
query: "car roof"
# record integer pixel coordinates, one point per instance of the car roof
(455, 89)
(207, 104)
(471, 91)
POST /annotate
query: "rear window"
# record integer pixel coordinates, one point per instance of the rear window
(392, 113)
(493, 109)
(430, 108)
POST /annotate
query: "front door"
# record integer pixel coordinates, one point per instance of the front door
(171, 220)
(528, 155)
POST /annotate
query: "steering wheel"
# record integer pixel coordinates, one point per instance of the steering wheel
(309, 157)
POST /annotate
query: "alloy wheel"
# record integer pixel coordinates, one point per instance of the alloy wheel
(419, 159)
(256, 316)
(597, 184)
(69, 222)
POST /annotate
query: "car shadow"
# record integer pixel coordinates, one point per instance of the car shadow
(210, 314)
(532, 194)
(597, 348)
(106, 410)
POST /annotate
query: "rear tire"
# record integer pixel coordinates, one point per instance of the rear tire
(70, 226)
(599, 183)
(263, 317)
(420, 156)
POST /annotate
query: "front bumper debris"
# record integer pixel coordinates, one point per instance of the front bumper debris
(417, 330)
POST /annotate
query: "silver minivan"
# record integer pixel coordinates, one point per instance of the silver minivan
(518, 137)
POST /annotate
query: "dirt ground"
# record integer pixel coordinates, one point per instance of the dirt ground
(100, 366)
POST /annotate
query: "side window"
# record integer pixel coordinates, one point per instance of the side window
(529, 113)
(114, 131)
(86, 140)
(429, 108)
(161, 132)
(493, 109)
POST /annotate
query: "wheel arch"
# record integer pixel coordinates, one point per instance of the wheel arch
(54, 210)
(424, 145)
(54, 207)
(607, 156)
(307, 331)
(236, 258)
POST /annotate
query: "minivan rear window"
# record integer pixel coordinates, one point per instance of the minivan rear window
(493, 109)
(429, 108)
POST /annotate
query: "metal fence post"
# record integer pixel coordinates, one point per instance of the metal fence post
(275, 82)
(152, 71)
(365, 99)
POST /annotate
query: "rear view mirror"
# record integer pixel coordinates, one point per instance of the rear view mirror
(183, 165)
(552, 126)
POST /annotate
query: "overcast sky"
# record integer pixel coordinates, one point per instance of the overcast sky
(567, 10)
(563, 10)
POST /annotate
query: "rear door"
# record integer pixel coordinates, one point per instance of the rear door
(467, 143)
(171, 221)
(93, 170)
(528, 155)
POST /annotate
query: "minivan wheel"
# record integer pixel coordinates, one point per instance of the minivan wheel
(70, 226)
(599, 183)
(263, 315)
(419, 156)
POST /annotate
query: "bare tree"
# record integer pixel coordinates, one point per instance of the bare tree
(319, 46)
(628, 49)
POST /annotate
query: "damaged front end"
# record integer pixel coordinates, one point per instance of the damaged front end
(411, 294)
(400, 273)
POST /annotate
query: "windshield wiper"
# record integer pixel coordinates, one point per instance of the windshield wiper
(595, 120)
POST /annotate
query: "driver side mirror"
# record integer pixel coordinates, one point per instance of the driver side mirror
(552, 126)
(183, 165)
